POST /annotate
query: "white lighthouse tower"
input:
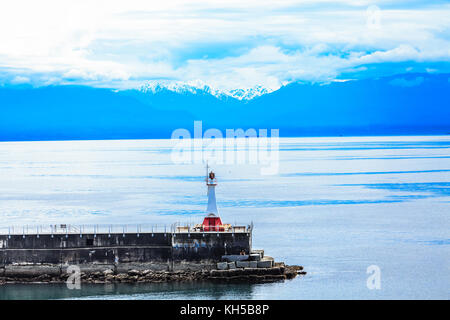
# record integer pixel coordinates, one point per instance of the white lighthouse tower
(211, 183)
(212, 221)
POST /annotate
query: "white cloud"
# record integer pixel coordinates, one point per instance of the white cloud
(407, 83)
(20, 79)
(227, 44)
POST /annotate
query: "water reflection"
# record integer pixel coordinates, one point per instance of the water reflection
(188, 290)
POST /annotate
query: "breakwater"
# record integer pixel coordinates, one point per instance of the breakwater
(279, 272)
(137, 257)
(163, 251)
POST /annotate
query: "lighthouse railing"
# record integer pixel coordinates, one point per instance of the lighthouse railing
(81, 229)
(55, 229)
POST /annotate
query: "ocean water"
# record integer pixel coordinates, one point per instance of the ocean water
(336, 206)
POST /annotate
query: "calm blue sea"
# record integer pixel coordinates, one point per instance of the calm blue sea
(337, 206)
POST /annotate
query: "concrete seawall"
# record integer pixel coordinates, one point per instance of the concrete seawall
(46, 254)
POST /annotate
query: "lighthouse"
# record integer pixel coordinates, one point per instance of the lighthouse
(211, 183)
(212, 221)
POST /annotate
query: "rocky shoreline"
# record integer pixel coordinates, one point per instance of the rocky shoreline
(279, 272)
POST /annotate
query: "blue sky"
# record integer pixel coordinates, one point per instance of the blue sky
(223, 44)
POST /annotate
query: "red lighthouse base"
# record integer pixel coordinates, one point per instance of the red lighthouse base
(212, 223)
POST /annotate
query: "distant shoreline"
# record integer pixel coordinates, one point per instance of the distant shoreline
(281, 136)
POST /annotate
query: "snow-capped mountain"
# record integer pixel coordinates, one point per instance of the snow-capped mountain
(399, 104)
(198, 87)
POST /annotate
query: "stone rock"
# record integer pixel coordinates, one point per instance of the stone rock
(265, 264)
(222, 265)
(276, 271)
(121, 276)
(108, 272)
(260, 252)
(110, 277)
(255, 257)
(297, 268)
(235, 257)
(242, 264)
(231, 265)
(249, 271)
(133, 273)
(216, 273)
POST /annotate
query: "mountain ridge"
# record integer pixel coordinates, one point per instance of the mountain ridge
(401, 104)
(197, 87)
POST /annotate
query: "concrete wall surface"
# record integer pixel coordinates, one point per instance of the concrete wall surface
(154, 251)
